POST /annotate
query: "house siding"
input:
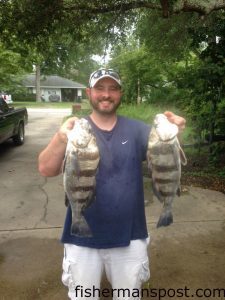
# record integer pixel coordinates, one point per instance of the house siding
(55, 88)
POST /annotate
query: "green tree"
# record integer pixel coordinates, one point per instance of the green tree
(50, 33)
(140, 71)
(43, 42)
(205, 82)
(10, 70)
(181, 61)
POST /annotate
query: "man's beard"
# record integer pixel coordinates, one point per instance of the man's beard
(96, 107)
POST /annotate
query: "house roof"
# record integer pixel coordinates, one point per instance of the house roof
(52, 81)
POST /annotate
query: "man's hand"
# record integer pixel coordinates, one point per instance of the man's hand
(51, 158)
(65, 129)
(179, 121)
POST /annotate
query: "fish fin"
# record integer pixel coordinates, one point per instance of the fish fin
(66, 200)
(156, 192)
(149, 164)
(183, 158)
(64, 164)
(165, 219)
(90, 199)
(179, 191)
(81, 228)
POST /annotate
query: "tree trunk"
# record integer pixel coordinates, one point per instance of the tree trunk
(212, 124)
(138, 92)
(213, 121)
(38, 83)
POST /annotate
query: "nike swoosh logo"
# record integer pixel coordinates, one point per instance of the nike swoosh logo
(124, 142)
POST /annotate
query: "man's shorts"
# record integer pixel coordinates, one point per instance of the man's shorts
(126, 269)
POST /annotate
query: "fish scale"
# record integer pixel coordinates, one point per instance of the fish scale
(80, 167)
(165, 157)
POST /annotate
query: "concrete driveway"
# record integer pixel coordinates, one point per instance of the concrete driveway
(188, 253)
(29, 201)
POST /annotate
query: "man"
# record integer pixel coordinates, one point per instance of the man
(117, 216)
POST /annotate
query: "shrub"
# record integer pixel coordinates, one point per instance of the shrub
(21, 97)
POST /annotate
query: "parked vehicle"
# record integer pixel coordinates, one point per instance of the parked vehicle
(6, 98)
(12, 123)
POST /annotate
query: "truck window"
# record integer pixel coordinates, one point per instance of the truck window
(3, 105)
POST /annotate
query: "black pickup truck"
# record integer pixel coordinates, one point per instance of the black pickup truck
(12, 123)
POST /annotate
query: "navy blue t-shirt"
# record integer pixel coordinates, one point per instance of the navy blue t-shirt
(117, 215)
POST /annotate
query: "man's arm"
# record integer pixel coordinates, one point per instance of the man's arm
(51, 158)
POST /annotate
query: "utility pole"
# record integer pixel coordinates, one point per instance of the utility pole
(38, 83)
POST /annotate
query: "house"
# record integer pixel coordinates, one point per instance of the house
(55, 88)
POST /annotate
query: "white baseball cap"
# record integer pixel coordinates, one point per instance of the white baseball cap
(103, 73)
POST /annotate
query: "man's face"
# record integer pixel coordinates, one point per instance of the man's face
(105, 96)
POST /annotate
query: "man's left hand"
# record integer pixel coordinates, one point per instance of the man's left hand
(179, 121)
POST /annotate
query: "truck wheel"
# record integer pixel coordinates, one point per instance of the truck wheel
(18, 139)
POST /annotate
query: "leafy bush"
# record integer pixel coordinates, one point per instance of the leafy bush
(21, 97)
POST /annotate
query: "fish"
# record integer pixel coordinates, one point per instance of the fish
(165, 157)
(79, 174)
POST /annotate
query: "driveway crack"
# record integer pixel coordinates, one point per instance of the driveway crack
(41, 187)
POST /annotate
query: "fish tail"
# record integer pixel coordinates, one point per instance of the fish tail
(81, 228)
(165, 219)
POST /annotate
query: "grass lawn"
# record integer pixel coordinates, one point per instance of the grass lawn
(198, 162)
(144, 112)
(84, 104)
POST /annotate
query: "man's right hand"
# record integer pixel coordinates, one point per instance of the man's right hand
(51, 158)
(65, 129)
